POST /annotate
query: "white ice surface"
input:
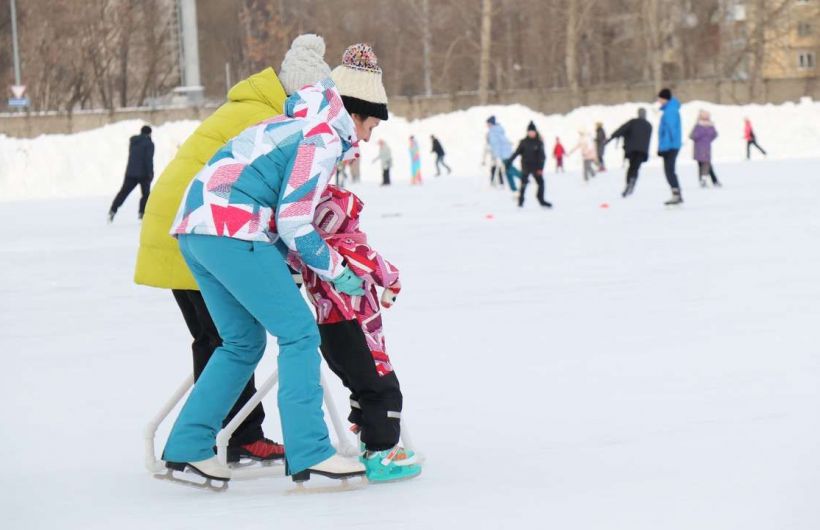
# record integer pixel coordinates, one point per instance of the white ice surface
(629, 367)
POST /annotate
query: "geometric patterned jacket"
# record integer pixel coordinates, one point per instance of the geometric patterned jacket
(337, 220)
(265, 184)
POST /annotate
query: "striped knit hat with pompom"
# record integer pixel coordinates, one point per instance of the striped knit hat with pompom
(359, 80)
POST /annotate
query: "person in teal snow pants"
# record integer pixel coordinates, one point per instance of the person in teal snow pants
(252, 203)
(415, 161)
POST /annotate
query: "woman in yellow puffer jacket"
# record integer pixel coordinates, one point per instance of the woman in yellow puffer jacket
(159, 261)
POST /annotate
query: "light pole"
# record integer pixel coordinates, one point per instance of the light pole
(191, 89)
(14, 43)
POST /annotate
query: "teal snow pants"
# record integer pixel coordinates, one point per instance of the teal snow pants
(248, 289)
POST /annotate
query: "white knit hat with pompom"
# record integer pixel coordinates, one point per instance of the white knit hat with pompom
(304, 63)
(359, 80)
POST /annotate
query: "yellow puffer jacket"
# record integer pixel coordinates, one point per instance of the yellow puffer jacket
(159, 261)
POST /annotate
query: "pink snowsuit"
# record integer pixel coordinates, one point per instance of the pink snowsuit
(337, 221)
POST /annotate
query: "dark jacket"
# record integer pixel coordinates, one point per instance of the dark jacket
(437, 149)
(636, 133)
(140, 157)
(532, 154)
(600, 137)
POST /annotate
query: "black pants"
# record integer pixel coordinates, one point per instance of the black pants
(375, 400)
(440, 162)
(706, 169)
(749, 144)
(206, 340)
(669, 159)
(539, 180)
(712, 174)
(128, 185)
(386, 176)
(497, 169)
(635, 161)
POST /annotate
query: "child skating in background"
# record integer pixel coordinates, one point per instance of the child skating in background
(558, 153)
(588, 153)
(353, 342)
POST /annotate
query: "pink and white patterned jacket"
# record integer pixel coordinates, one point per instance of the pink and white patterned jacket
(337, 221)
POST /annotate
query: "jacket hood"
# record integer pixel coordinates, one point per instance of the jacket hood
(263, 87)
(672, 105)
(338, 212)
(323, 103)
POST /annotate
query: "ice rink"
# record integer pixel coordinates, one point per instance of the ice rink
(624, 367)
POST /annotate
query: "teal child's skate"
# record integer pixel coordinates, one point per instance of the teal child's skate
(390, 465)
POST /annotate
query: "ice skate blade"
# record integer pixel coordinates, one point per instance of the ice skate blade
(245, 463)
(394, 480)
(345, 484)
(209, 483)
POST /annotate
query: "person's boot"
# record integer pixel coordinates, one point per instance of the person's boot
(262, 450)
(702, 182)
(111, 214)
(676, 198)
(335, 467)
(630, 187)
(209, 468)
(390, 465)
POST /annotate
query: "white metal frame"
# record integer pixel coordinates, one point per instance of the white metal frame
(344, 446)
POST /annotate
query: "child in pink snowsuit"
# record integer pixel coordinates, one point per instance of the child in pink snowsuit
(353, 341)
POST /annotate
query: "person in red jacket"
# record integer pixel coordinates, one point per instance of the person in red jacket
(558, 152)
(751, 140)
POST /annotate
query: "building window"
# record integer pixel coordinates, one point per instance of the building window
(803, 29)
(806, 60)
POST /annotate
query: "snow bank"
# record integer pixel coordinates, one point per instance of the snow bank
(92, 163)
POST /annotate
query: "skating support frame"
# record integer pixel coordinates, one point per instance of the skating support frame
(157, 467)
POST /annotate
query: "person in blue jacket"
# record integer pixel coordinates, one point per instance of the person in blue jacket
(669, 141)
(502, 150)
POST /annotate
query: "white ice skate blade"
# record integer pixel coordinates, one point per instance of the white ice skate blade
(344, 484)
(206, 484)
(247, 463)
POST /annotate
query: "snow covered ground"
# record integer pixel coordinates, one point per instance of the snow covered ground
(629, 367)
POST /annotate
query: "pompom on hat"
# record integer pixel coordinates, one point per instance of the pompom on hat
(359, 80)
(304, 63)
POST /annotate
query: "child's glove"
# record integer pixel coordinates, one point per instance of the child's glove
(389, 295)
(348, 283)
